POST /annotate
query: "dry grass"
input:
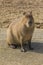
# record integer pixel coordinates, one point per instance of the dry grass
(13, 9)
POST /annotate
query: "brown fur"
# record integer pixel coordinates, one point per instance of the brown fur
(18, 32)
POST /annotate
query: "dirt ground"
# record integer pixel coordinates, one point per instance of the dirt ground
(9, 56)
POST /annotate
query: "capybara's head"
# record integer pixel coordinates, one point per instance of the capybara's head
(30, 19)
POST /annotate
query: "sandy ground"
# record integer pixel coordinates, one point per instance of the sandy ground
(9, 56)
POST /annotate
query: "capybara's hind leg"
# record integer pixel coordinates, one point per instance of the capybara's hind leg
(13, 46)
(29, 44)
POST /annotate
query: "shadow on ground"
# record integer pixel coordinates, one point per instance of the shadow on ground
(38, 47)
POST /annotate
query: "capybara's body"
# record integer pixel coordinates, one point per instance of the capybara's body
(21, 31)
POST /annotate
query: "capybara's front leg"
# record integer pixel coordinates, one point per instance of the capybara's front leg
(22, 48)
(29, 44)
(22, 45)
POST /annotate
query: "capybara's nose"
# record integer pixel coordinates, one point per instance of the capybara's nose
(30, 23)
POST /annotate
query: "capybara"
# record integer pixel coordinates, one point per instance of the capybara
(21, 31)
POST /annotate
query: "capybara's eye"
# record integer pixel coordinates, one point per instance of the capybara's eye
(24, 13)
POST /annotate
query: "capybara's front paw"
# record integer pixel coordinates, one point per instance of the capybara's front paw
(23, 50)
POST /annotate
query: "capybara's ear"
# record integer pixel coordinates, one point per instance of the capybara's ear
(30, 12)
(24, 13)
